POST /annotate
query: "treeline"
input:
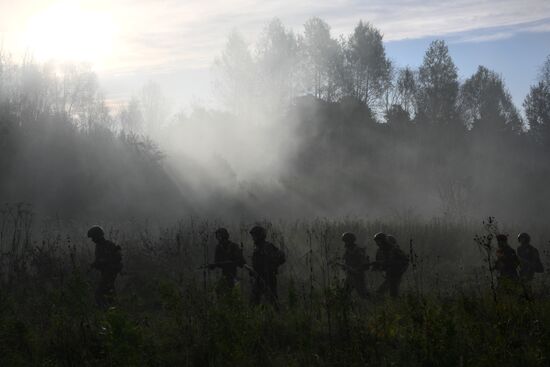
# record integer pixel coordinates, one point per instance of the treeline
(62, 152)
(378, 137)
(312, 125)
(283, 65)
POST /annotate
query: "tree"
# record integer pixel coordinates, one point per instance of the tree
(537, 106)
(544, 76)
(406, 89)
(153, 107)
(235, 78)
(438, 86)
(369, 69)
(277, 58)
(397, 116)
(537, 112)
(487, 105)
(131, 117)
(321, 60)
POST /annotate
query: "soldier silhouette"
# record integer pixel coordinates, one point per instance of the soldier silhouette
(529, 258)
(228, 257)
(506, 264)
(356, 262)
(108, 260)
(391, 260)
(266, 260)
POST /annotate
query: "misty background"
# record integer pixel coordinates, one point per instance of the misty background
(307, 124)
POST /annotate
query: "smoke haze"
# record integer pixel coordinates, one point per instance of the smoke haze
(308, 125)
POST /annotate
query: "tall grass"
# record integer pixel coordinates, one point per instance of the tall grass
(168, 313)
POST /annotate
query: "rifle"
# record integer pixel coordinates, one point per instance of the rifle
(214, 265)
(253, 273)
(349, 268)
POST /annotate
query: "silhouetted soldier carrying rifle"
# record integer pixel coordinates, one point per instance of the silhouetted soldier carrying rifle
(266, 260)
(108, 260)
(228, 257)
(507, 261)
(356, 262)
(506, 264)
(391, 260)
(529, 258)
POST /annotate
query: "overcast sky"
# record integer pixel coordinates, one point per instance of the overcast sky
(174, 42)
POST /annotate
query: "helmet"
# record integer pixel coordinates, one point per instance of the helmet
(380, 236)
(502, 237)
(391, 239)
(222, 233)
(258, 231)
(96, 232)
(348, 237)
(524, 236)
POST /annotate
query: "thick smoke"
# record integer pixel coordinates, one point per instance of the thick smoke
(308, 126)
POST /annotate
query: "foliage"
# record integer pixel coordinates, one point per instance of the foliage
(168, 315)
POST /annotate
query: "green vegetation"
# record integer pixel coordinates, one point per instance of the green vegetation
(168, 313)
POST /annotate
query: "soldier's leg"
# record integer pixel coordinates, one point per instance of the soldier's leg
(361, 287)
(394, 283)
(224, 286)
(256, 295)
(383, 288)
(104, 292)
(110, 292)
(271, 293)
(348, 285)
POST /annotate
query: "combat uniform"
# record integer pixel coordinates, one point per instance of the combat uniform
(530, 263)
(228, 257)
(356, 263)
(507, 263)
(108, 260)
(393, 261)
(266, 260)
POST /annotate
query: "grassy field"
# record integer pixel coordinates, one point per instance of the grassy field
(168, 313)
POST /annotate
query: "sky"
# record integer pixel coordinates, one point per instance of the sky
(174, 42)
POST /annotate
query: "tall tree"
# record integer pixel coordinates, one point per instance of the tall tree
(405, 87)
(235, 75)
(277, 58)
(544, 76)
(154, 108)
(438, 86)
(487, 105)
(131, 117)
(537, 106)
(321, 60)
(367, 64)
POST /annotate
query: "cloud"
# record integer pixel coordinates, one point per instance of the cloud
(190, 33)
(175, 34)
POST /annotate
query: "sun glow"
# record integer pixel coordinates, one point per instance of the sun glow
(70, 32)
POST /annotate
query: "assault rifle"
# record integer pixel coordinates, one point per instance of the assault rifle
(216, 264)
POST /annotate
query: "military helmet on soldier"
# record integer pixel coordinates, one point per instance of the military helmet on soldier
(222, 233)
(523, 236)
(391, 239)
(96, 232)
(348, 237)
(259, 232)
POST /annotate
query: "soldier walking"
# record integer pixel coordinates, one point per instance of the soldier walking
(108, 260)
(391, 260)
(506, 264)
(356, 262)
(228, 257)
(266, 260)
(529, 258)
